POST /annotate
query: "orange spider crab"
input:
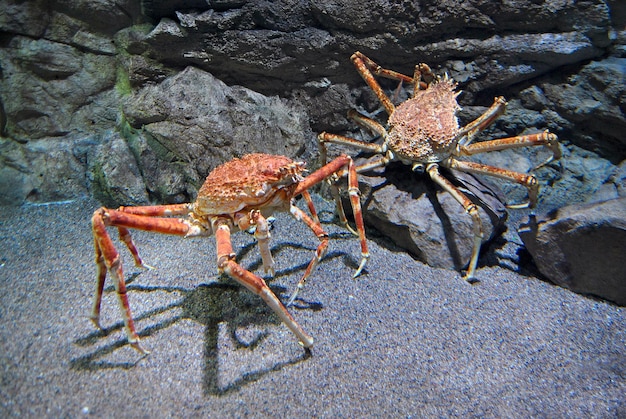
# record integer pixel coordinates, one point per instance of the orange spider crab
(424, 132)
(236, 195)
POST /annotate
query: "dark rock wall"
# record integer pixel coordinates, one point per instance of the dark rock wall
(77, 77)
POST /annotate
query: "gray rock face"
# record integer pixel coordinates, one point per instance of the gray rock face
(288, 38)
(51, 89)
(596, 99)
(68, 65)
(191, 122)
(582, 247)
(41, 173)
(114, 174)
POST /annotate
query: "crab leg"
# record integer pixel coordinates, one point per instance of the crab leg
(378, 70)
(226, 263)
(309, 202)
(317, 229)
(422, 71)
(101, 277)
(262, 236)
(325, 172)
(365, 67)
(326, 137)
(158, 210)
(470, 130)
(108, 259)
(470, 208)
(545, 138)
(147, 211)
(368, 123)
(337, 166)
(529, 181)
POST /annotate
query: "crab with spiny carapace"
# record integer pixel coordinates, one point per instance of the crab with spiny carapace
(237, 195)
(424, 132)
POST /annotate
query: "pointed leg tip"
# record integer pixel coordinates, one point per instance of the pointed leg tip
(470, 278)
(136, 346)
(522, 205)
(96, 321)
(307, 344)
(359, 270)
(291, 301)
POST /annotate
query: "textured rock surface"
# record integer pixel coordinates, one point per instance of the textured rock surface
(68, 67)
(191, 122)
(426, 221)
(582, 247)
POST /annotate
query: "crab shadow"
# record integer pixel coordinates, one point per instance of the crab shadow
(218, 306)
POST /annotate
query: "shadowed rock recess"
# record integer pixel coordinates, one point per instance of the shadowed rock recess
(135, 102)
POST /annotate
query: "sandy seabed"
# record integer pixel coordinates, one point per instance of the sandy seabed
(402, 340)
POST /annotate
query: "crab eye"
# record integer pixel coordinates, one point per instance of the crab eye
(418, 168)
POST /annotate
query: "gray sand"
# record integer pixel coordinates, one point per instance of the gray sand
(403, 340)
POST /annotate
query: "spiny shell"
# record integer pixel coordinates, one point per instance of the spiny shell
(246, 182)
(423, 128)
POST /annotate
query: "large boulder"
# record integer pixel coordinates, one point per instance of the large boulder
(183, 127)
(426, 221)
(582, 247)
(591, 106)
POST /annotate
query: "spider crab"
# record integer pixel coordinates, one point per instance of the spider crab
(424, 132)
(237, 195)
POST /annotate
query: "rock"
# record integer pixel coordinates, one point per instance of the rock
(41, 171)
(582, 247)
(114, 174)
(594, 103)
(418, 216)
(237, 41)
(498, 63)
(25, 18)
(69, 66)
(193, 122)
(102, 16)
(51, 90)
(614, 186)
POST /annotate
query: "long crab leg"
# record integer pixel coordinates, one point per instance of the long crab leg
(108, 259)
(326, 137)
(325, 172)
(545, 138)
(158, 210)
(262, 236)
(470, 208)
(226, 263)
(321, 234)
(309, 202)
(147, 211)
(365, 67)
(338, 165)
(470, 130)
(529, 181)
(378, 70)
(368, 123)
